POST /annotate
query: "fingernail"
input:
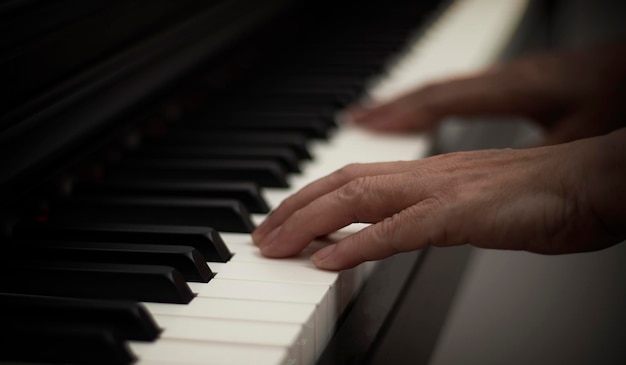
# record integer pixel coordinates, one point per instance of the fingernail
(322, 254)
(356, 112)
(269, 238)
(261, 230)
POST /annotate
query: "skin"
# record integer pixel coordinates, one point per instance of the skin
(553, 199)
(572, 94)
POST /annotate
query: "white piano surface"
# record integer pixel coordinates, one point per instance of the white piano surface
(262, 311)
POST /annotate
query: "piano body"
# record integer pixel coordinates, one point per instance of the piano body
(142, 141)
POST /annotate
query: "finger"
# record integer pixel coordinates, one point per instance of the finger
(412, 229)
(506, 91)
(396, 115)
(363, 200)
(600, 116)
(319, 188)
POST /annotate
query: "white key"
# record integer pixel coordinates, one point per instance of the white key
(340, 294)
(299, 314)
(295, 275)
(170, 352)
(281, 335)
(313, 294)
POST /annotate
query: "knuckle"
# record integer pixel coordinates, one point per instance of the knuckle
(299, 222)
(348, 172)
(441, 198)
(287, 202)
(359, 247)
(354, 191)
(444, 222)
(289, 205)
(296, 216)
(385, 232)
(420, 173)
(387, 229)
(454, 157)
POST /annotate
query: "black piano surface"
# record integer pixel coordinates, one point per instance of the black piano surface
(116, 110)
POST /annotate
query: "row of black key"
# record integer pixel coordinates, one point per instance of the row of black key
(151, 224)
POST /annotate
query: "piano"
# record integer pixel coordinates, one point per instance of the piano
(141, 143)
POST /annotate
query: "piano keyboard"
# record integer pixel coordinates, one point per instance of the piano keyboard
(255, 310)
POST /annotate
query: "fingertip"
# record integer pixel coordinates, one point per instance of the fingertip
(333, 259)
(322, 255)
(258, 236)
(278, 244)
(350, 117)
(394, 115)
(264, 240)
(263, 230)
(357, 112)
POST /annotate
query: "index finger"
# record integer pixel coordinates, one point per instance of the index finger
(319, 188)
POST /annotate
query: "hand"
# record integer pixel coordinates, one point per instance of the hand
(573, 94)
(555, 199)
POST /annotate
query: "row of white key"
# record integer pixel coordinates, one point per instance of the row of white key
(263, 311)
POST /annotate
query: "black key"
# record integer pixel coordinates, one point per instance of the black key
(360, 45)
(263, 172)
(186, 259)
(149, 283)
(63, 344)
(241, 99)
(341, 93)
(355, 52)
(130, 319)
(327, 81)
(204, 239)
(214, 121)
(247, 193)
(372, 65)
(278, 109)
(283, 155)
(295, 141)
(325, 97)
(356, 72)
(223, 215)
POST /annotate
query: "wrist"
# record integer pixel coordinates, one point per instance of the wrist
(604, 181)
